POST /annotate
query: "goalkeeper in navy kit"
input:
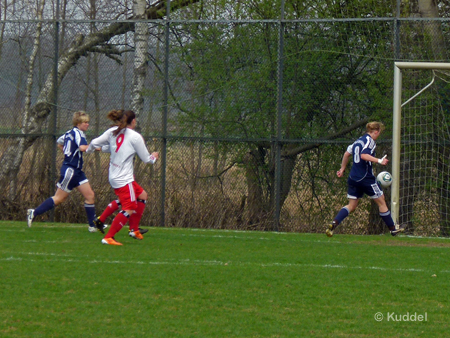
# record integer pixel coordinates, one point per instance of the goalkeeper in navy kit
(362, 180)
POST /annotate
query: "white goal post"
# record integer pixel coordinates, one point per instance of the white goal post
(397, 123)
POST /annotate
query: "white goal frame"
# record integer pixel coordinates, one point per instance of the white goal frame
(396, 125)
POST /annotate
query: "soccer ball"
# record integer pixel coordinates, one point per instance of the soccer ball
(384, 179)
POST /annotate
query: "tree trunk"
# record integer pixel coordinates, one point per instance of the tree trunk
(428, 9)
(141, 34)
(257, 202)
(287, 169)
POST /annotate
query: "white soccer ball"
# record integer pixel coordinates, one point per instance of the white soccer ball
(385, 179)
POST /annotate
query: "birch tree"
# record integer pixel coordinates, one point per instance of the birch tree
(141, 34)
(15, 161)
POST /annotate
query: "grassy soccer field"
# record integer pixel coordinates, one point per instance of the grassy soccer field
(58, 280)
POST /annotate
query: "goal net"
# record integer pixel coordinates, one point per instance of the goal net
(420, 196)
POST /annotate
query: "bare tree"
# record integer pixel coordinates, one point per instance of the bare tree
(81, 46)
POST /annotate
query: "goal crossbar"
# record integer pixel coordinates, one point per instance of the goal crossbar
(396, 128)
(422, 65)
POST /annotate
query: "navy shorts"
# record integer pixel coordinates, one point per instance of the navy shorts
(366, 186)
(71, 178)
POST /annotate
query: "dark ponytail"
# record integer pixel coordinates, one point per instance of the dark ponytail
(121, 118)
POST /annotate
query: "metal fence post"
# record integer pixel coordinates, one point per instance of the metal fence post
(53, 121)
(279, 136)
(165, 113)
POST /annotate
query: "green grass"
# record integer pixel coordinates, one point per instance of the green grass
(57, 280)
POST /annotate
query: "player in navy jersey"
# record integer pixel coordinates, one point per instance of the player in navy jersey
(73, 143)
(362, 180)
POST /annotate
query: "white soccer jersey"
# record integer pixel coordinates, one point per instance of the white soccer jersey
(122, 147)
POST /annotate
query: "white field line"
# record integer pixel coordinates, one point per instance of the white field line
(60, 258)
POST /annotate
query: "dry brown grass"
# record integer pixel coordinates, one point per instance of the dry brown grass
(203, 190)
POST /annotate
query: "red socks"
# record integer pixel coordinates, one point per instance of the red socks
(135, 218)
(110, 209)
(119, 221)
(123, 217)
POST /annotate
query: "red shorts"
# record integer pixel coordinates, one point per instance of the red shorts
(128, 195)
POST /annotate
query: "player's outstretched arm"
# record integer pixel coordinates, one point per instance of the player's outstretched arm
(99, 142)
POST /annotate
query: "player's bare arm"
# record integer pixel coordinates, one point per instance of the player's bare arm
(344, 163)
(370, 158)
(83, 147)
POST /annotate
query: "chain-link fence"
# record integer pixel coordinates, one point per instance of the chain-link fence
(251, 117)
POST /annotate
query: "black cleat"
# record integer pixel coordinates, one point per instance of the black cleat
(99, 225)
(143, 231)
(397, 229)
(331, 228)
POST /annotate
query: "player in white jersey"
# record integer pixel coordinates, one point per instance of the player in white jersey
(73, 143)
(124, 143)
(112, 207)
(362, 180)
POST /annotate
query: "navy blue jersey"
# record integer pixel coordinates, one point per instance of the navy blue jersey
(362, 169)
(72, 140)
